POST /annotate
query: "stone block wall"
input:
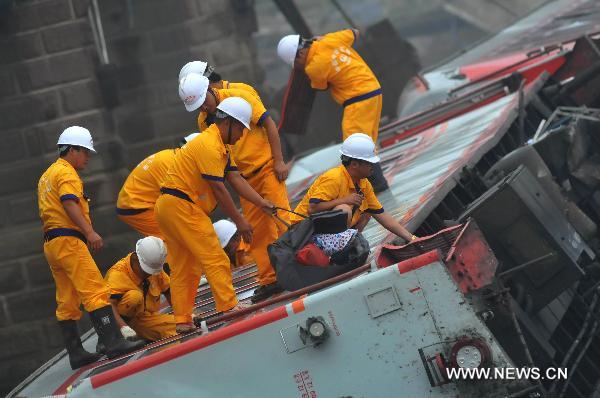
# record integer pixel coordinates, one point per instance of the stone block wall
(50, 78)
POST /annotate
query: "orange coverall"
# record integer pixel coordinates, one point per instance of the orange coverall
(182, 212)
(333, 63)
(75, 272)
(252, 154)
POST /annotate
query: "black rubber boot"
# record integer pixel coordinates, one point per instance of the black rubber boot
(263, 292)
(377, 179)
(110, 340)
(78, 356)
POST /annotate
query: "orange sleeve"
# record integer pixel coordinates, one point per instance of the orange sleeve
(259, 112)
(374, 206)
(318, 68)
(324, 189)
(345, 37)
(202, 122)
(210, 167)
(231, 165)
(164, 282)
(69, 187)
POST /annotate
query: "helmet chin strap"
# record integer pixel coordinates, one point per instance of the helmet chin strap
(229, 132)
(209, 91)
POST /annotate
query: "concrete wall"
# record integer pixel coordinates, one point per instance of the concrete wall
(48, 81)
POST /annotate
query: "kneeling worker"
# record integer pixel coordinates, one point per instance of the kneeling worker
(346, 188)
(136, 284)
(69, 236)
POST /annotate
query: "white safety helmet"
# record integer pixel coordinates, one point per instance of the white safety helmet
(287, 48)
(225, 230)
(360, 146)
(190, 137)
(238, 108)
(78, 136)
(192, 90)
(198, 67)
(151, 252)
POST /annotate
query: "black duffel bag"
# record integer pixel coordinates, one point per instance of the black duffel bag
(292, 275)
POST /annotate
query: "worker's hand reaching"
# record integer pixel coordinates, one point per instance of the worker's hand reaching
(353, 199)
(281, 170)
(267, 207)
(94, 241)
(245, 230)
(128, 333)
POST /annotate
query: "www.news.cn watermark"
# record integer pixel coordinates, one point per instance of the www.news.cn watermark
(454, 374)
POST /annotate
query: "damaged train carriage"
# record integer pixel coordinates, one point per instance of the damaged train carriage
(527, 300)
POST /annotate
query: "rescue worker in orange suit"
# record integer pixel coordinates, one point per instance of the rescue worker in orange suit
(138, 195)
(68, 236)
(260, 161)
(347, 188)
(331, 63)
(193, 187)
(136, 284)
(236, 249)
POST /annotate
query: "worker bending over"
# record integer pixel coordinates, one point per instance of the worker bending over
(68, 232)
(193, 187)
(136, 284)
(260, 161)
(346, 187)
(138, 195)
(331, 63)
(236, 249)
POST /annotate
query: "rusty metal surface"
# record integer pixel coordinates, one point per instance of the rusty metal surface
(443, 241)
(470, 260)
(464, 249)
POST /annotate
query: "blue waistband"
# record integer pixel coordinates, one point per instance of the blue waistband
(130, 212)
(56, 232)
(255, 171)
(362, 97)
(176, 193)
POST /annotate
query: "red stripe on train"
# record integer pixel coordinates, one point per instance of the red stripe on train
(187, 347)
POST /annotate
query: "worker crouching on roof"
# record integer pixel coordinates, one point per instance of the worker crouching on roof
(331, 63)
(347, 188)
(236, 249)
(68, 233)
(193, 187)
(260, 161)
(138, 195)
(136, 284)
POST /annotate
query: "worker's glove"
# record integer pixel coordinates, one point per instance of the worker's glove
(128, 333)
(200, 323)
(196, 319)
